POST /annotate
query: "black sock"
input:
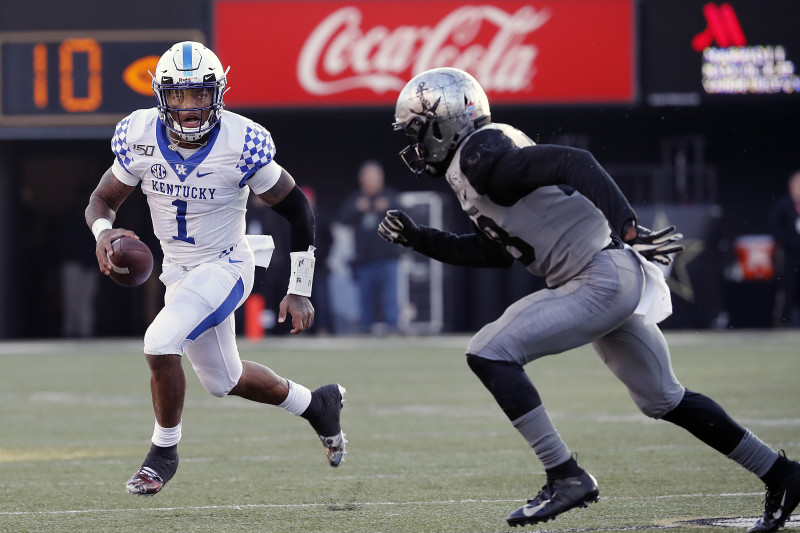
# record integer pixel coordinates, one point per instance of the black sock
(313, 410)
(777, 471)
(568, 468)
(323, 402)
(163, 461)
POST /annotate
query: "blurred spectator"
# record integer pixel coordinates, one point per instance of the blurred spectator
(80, 277)
(785, 223)
(64, 304)
(341, 285)
(375, 262)
(320, 295)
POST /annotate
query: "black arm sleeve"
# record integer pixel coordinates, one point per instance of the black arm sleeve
(472, 250)
(296, 209)
(520, 171)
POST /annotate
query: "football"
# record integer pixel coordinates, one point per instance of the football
(131, 262)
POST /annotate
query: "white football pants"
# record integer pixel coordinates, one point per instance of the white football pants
(197, 318)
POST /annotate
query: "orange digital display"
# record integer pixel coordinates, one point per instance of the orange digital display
(93, 97)
(69, 78)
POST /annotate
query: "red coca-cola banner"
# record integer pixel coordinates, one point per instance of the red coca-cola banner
(320, 53)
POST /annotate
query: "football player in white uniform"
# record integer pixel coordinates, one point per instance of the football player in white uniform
(197, 163)
(558, 212)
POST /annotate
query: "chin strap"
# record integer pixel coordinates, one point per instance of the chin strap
(175, 145)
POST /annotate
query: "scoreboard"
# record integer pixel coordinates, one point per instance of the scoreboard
(80, 78)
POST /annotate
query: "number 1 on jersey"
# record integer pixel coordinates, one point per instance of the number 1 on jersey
(181, 218)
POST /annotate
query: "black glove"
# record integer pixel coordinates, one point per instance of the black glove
(657, 245)
(398, 228)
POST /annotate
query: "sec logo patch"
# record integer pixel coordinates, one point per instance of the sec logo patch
(158, 171)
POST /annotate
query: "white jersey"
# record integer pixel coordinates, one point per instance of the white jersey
(197, 204)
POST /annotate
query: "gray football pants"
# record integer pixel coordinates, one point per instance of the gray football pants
(595, 307)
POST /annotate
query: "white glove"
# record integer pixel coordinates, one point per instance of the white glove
(657, 245)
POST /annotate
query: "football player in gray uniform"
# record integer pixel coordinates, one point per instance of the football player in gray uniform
(559, 213)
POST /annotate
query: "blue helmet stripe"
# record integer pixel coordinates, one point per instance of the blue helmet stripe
(187, 56)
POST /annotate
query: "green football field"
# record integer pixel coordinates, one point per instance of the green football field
(429, 449)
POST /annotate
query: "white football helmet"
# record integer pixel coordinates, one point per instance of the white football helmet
(189, 65)
(437, 109)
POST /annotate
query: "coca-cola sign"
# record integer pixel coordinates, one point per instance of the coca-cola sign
(296, 53)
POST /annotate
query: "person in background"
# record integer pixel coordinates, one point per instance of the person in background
(79, 277)
(558, 212)
(197, 163)
(375, 265)
(785, 226)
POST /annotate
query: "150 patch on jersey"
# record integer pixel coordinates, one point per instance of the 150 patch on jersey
(143, 149)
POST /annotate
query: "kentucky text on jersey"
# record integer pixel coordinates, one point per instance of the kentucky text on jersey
(196, 212)
(185, 191)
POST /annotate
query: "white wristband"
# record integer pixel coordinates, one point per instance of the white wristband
(100, 225)
(302, 277)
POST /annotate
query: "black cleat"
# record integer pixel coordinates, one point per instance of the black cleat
(558, 496)
(158, 467)
(328, 402)
(780, 501)
(145, 482)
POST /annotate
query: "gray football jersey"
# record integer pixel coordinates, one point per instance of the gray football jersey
(553, 231)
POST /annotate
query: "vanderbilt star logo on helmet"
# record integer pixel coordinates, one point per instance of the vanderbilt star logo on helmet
(428, 110)
(421, 94)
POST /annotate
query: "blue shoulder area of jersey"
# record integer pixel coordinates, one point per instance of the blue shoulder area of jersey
(183, 167)
(119, 143)
(258, 151)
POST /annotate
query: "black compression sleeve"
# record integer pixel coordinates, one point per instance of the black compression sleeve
(707, 420)
(296, 209)
(463, 250)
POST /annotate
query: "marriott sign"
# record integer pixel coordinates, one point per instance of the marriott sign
(300, 54)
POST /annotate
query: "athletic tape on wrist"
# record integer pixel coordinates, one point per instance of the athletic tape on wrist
(100, 225)
(302, 275)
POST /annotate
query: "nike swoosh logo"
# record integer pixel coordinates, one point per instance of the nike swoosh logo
(530, 511)
(233, 260)
(779, 513)
(199, 175)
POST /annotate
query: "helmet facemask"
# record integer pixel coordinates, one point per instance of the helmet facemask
(414, 154)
